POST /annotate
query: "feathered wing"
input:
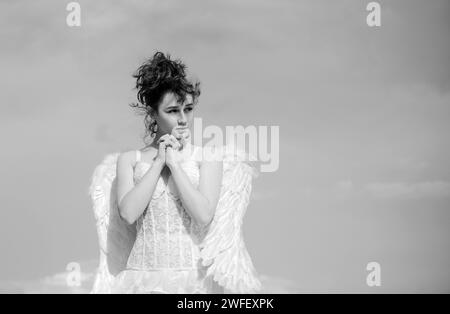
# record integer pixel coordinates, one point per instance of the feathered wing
(115, 236)
(223, 248)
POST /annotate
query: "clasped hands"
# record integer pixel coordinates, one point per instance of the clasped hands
(169, 147)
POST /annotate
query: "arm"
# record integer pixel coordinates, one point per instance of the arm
(200, 204)
(133, 199)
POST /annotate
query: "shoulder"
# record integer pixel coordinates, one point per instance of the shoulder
(126, 158)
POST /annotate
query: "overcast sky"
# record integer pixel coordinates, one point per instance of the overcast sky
(363, 115)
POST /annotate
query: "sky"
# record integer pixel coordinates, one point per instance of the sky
(363, 114)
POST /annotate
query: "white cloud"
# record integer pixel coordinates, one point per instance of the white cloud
(414, 190)
(399, 190)
(274, 284)
(60, 279)
(55, 283)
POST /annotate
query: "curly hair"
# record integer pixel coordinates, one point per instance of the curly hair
(157, 76)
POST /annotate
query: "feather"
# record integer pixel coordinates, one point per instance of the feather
(115, 236)
(222, 249)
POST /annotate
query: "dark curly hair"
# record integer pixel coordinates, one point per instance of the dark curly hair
(157, 76)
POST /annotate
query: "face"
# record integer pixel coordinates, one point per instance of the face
(172, 114)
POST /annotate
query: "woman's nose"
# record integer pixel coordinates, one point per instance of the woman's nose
(182, 120)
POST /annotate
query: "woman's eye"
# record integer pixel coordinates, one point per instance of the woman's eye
(172, 111)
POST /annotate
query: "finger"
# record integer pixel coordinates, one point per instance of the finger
(175, 141)
(171, 139)
(173, 145)
(163, 137)
(162, 148)
(169, 142)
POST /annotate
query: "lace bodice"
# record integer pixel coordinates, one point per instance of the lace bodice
(167, 237)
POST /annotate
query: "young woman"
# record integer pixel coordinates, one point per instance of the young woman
(173, 226)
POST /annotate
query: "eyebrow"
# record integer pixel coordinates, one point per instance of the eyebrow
(176, 107)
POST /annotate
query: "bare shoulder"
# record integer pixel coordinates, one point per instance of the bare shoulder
(126, 158)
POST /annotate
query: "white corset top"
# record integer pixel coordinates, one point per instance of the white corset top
(167, 237)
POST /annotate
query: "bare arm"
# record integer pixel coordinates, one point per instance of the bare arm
(133, 199)
(200, 204)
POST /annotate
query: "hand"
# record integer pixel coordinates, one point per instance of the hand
(165, 141)
(173, 154)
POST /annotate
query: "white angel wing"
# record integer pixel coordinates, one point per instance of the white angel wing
(223, 249)
(115, 236)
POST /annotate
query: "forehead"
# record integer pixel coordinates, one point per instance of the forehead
(170, 99)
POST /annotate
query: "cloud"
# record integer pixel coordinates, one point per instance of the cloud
(348, 95)
(56, 283)
(409, 190)
(275, 284)
(60, 279)
(387, 190)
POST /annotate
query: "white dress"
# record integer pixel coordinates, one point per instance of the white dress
(165, 257)
(165, 251)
